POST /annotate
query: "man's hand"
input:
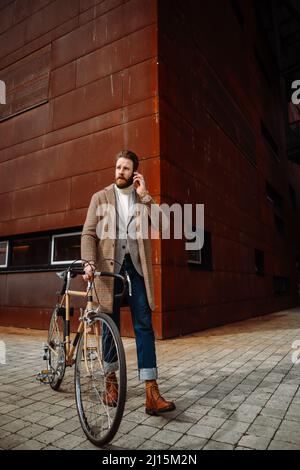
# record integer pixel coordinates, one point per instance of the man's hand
(89, 272)
(139, 184)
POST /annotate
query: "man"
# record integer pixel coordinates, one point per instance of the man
(125, 250)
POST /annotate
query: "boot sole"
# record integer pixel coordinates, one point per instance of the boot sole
(158, 412)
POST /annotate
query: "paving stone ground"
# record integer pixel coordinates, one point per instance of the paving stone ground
(235, 387)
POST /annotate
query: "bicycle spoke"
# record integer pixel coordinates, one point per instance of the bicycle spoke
(56, 350)
(98, 350)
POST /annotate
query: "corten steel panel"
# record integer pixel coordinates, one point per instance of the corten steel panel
(133, 49)
(212, 97)
(32, 317)
(96, 98)
(95, 124)
(109, 27)
(89, 12)
(37, 24)
(39, 42)
(33, 123)
(102, 97)
(46, 198)
(6, 18)
(5, 205)
(63, 79)
(26, 317)
(28, 289)
(65, 160)
(45, 222)
(27, 83)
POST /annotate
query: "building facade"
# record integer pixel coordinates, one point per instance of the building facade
(200, 104)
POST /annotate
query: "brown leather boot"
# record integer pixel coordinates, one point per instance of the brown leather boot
(110, 396)
(155, 403)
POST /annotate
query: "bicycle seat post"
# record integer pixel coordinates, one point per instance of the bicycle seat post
(67, 317)
(89, 304)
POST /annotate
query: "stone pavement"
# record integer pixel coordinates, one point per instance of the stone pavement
(235, 387)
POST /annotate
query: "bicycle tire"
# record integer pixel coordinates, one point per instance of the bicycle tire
(99, 421)
(56, 351)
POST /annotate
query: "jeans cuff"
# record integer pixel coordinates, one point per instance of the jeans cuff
(148, 374)
(110, 367)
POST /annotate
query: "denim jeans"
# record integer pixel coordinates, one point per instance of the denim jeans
(142, 324)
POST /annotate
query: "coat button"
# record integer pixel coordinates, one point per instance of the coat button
(123, 247)
(111, 263)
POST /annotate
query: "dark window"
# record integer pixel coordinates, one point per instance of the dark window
(202, 258)
(65, 248)
(3, 253)
(41, 251)
(30, 251)
(273, 196)
(281, 285)
(280, 225)
(238, 13)
(269, 139)
(259, 262)
(293, 197)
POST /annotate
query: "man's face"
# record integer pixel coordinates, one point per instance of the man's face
(124, 172)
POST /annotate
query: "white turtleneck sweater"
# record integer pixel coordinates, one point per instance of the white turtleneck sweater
(125, 199)
(124, 196)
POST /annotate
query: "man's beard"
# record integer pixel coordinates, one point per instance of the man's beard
(124, 183)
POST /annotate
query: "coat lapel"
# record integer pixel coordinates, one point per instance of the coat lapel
(110, 194)
(111, 201)
(132, 211)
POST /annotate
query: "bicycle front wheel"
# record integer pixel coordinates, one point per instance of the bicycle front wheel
(56, 350)
(100, 379)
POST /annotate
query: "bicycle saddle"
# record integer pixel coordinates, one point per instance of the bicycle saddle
(63, 274)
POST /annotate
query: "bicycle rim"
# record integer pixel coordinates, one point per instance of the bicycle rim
(100, 352)
(56, 350)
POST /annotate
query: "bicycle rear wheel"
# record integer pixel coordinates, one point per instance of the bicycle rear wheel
(100, 353)
(56, 350)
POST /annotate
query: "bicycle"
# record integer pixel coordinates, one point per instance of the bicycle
(97, 350)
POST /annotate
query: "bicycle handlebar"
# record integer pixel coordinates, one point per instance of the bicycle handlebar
(116, 276)
(74, 272)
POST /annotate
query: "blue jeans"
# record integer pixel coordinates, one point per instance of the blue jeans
(142, 323)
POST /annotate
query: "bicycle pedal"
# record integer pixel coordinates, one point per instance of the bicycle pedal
(44, 376)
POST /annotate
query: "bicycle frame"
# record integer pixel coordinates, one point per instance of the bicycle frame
(70, 348)
(65, 301)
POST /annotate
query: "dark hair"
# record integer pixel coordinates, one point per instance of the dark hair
(131, 156)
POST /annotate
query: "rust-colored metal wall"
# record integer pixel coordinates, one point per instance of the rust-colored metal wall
(179, 83)
(100, 62)
(213, 95)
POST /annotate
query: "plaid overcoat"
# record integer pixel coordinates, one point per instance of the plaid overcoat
(101, 251)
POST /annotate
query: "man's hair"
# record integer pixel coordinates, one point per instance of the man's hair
(131, 156)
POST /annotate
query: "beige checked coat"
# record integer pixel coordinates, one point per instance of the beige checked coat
(101, 251)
